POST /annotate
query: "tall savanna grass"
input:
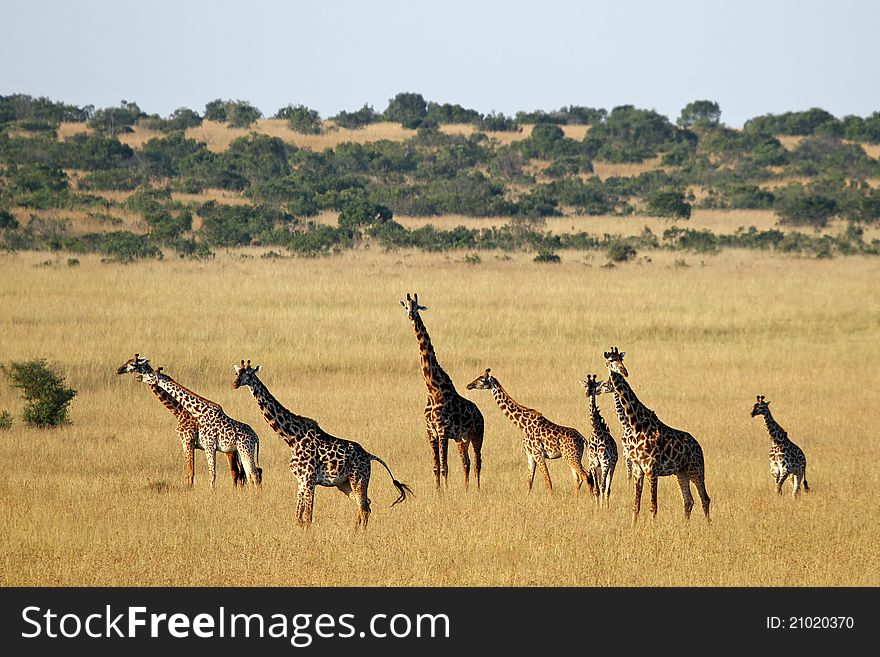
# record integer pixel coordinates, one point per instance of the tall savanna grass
(102, 500)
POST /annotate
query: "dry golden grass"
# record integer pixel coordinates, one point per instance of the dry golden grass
(66, 130)
(102, 501)
(790, 142)
(872, 150)
(218, 136)
(606, 170)
(718, 221)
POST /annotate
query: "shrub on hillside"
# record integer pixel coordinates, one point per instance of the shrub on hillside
(301, 119)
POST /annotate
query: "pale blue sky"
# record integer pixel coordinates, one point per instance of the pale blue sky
(751, 56)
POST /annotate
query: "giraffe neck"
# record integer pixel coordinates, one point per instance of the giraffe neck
(621, 414)
(169, 402)
(436, 379)
(194, 404)
(777, 433)
(637, 414)
(597, 422)
(516, 412)
(282, 421)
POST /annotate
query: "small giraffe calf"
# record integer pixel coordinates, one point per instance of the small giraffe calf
(601, 448)
(786, 458)
(542, 439)
(187, 425)
(217, 431)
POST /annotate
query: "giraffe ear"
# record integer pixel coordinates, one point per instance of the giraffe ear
(423, 307)
(257, 368)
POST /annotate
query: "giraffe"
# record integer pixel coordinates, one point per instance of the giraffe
(217, 431)
(187, 426)
(658, 450)
(600, 446)
(542, 439)
(627, 440)
(786, 458)
(448, 415)
(318, 458)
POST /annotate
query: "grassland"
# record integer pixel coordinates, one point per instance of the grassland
(102, 500)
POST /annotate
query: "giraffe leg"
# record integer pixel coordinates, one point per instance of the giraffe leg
(249, 463)
(465, 459)
(699, 481)
(629, 469)
(684, 483)
(795, 485)
(477, 444)
(780, 481)
(235, 469)
(211, 456)
(530, 478)
(637, 499)
(609, 477)
(542, 466)
(444, 461)
(574, 462)
(308, 503)
(578, 482)
(652, 487)
(359, 485)
(300, 504)
(804, 479)
(189, 463)
(435, 453)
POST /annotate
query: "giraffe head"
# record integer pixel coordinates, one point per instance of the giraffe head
(614, 361)
(483, 382)
(761, 407)
(592, 386)
(604, 387)
(136, 364)
(245, 375)
(411, 306)
(151, 377)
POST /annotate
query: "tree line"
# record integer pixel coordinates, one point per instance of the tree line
(826, 175)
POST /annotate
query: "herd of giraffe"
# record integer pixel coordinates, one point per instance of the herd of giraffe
(651, 448)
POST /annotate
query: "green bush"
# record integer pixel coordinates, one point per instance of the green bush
(700, 114)
(301, 119)
(669, 203)
(237, 113)
(7, 220)
(43, 389)
(5, 419)
(116, 120)
(354, 120)
(805, 209)
(545, 255)
(620, 251)
(408, 109)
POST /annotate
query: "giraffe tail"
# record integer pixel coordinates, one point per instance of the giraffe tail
(402, 488)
